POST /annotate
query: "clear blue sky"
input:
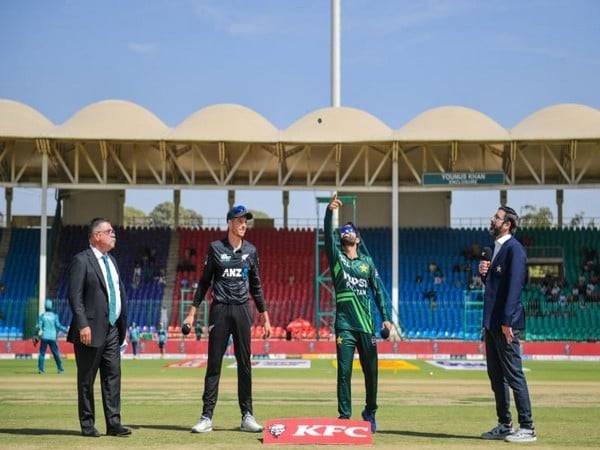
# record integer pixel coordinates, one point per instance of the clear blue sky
(399, 58)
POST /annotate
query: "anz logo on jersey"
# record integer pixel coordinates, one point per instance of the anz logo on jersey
(358, 285)
(235, 272)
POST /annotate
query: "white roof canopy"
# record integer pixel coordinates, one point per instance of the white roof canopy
(225, 122)
(452, 123)
(112, 120)
(21, 121)
(559, 122)
(337, 125)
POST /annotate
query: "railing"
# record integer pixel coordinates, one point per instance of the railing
(484, 222)
(217, 222)
(545, 252)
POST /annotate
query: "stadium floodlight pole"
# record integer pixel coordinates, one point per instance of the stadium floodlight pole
(336, 72)
(43, 227)
(395, 237)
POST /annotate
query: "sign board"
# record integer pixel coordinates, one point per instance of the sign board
(463, 178)
(311, 431)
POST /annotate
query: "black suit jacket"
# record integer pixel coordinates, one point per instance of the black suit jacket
(88, 298)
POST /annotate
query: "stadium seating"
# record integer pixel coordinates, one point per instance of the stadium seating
(286, 265)
(144, 299)
(429, 308)
(20, 278)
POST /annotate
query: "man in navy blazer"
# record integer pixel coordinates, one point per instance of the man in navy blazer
(503, 322)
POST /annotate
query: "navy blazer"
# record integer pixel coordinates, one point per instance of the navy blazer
(504, 283)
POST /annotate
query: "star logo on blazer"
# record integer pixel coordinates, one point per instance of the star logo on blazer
(499, 269)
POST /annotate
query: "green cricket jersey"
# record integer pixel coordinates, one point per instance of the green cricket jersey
(352, 281)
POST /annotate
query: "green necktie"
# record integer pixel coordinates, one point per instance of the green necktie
(112, 294)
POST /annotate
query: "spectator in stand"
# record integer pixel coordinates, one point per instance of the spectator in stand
(475, 251)
(137, 275)
(526, 240)
(476, 282)
(161, 277)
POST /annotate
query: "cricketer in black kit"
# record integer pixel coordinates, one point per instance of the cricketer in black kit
(232, 269)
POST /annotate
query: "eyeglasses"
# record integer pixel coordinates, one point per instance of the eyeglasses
(495, 217)
(111, 231)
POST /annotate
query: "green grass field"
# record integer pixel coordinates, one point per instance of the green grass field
(425, 408)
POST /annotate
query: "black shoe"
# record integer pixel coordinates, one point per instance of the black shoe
(90, 432)
(118, 431)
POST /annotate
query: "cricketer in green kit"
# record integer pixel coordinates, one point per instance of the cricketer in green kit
(354, 275)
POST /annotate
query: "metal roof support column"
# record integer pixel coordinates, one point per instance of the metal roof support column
(285, 199)
(176, 203)
(560, 199)
(8, 195)
(395, 237)
(231, 198)
(503, 197)
(43, 146)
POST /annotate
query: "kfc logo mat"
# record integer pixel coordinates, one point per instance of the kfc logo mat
(317, 431)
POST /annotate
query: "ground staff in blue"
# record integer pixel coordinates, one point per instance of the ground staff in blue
(48, 327)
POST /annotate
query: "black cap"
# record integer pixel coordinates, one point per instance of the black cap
(239, 211)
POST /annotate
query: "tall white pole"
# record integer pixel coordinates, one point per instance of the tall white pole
(43, 232)
(336, 41)
(395, 239)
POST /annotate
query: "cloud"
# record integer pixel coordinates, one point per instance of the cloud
(237, 23)
(142, 48)
(404, 16)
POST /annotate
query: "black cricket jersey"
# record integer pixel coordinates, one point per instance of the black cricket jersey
(234, 275)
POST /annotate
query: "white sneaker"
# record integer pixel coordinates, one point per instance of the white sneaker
(250, 424)
(499, 432)
(522, 435)
(204, 425)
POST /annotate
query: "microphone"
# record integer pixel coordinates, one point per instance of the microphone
(486, 254)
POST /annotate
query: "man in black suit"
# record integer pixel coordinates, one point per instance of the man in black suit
(99, 304)
(503, 322)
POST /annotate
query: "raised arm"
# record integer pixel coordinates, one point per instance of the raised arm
(328, 228)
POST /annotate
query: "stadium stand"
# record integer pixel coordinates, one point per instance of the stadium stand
(146, 248)
(438, 275)
(19, 279)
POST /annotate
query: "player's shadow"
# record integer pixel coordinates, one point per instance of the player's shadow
(39, 432)
(174, 428)
(428, 435)
(160, 427)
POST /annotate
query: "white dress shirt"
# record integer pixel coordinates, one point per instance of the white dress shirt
(498, 244)
(115, 276)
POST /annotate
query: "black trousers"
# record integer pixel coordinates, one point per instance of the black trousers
(505, 369)
(225, 321)
(107, 358)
